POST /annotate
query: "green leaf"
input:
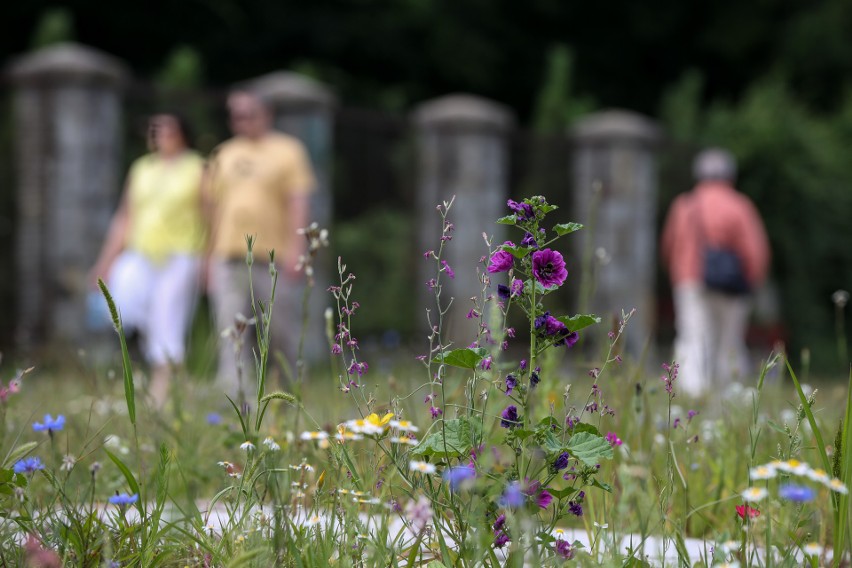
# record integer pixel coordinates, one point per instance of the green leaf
(19, 453)
(566, 228)
(129, 390)
(562, 493)
(580, 321)
(546, 207)
(131, 481)
(601, 485)
(589, 448)
(549, 441)
(507, 220)
(460, 433)
(467, 358)
(518, 252)
(584, 427)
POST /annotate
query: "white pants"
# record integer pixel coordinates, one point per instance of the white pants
(710, 342)
(157, 300)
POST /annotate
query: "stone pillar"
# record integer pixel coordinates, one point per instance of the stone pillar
(462, 152)
(304, 108)
(68, 133)
(615, 196)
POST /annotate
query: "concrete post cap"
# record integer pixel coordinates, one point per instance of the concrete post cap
(617, 124)
(67, 60)
(464, 110)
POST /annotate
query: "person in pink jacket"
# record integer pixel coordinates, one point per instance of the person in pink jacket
(710, 323)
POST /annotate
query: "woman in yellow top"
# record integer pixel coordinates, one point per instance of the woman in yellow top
(151, 259)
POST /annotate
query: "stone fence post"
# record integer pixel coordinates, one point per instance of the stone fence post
(68, 133)
(304, 108)
(462, 152)
(615, 196)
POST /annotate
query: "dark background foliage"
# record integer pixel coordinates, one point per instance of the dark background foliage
(768, 78)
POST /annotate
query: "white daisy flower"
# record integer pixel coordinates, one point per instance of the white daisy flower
(754, 494)
(406, 441)
(422, 467)
(812, 549)
(271, 445)
(247, 446)
(838, 486)
(762, 472)
(404, 426)
(318, 435)
(818, 475)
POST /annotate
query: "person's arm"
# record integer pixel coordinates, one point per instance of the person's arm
(116, 240)
(754, 246)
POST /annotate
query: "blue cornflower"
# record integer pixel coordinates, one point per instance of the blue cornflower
(797, 493)
(214, 419)
(123, 499)
(50, 424)
(456, 476)
(28, 465)
(513, 496)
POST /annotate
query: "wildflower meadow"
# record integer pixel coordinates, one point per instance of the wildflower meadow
(537, 442)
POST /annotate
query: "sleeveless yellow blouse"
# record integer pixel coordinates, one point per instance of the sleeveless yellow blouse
(165, 206)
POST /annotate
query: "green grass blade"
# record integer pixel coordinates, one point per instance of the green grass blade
(826, 463)
(842, 538)
(129, 392)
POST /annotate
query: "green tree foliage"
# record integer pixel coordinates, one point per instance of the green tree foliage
(54, 26)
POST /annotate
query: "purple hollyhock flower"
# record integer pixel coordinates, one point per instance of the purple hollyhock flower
(456, 476)
(517, 287)
(501, 539)
(569, 340)
(549, 268)
(797, 493)
(500, 522)
(560, 462)
(509, 417)
(435, 412)
(511, 383)
(575, 508)
(501, 261)
(534, 377)
(523, 210)
(512, 497)
(564, 549)
(543, 499)
(503, 291)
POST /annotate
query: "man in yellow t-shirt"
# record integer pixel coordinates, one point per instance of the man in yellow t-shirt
(258, 183)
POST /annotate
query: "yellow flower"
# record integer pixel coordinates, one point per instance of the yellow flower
(379, 422)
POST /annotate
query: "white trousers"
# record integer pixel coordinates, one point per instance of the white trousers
(157, 300)
(710, 341)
